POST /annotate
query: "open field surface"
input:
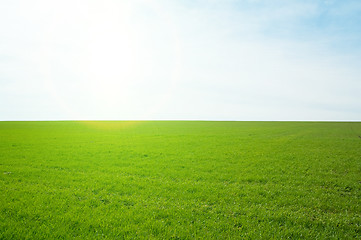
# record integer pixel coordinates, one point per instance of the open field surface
(180, 180)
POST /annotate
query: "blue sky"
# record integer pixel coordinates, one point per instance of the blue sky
(202, 60)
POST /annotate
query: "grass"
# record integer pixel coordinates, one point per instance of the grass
(180, 180)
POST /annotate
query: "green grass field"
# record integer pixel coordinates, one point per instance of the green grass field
(180, 180)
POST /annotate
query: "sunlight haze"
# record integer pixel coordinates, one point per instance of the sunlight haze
(180, 60)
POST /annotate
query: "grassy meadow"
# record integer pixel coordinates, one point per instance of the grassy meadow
(180, 180)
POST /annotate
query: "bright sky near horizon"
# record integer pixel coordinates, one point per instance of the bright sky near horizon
(180, 60)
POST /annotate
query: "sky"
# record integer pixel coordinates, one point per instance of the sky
(180, 60)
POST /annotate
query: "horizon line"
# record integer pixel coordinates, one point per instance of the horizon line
(172, 120)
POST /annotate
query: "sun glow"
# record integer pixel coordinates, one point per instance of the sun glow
(111, 125)
(120, 56)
